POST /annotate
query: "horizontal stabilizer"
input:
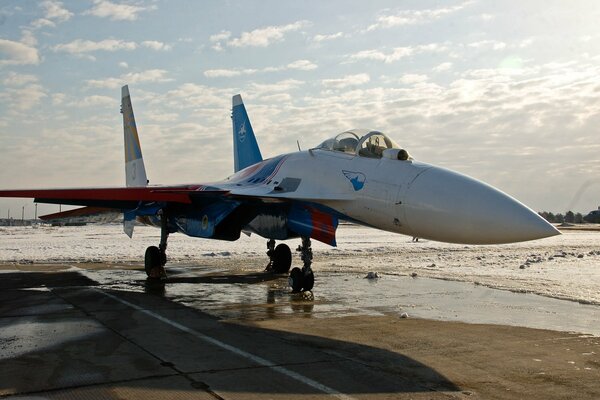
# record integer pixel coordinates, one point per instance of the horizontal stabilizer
(87, 214)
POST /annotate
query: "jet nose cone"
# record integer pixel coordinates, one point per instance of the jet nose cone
(446, 206)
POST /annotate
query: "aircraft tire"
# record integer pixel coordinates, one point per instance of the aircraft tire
(152, 259)
(308, 280)
(296, 280)
(282, 259)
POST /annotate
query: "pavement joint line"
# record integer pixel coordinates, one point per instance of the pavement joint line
(129, 340)
(89, 385)
(257, 359)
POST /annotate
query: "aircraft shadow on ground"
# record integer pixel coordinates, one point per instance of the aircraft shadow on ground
(387, 371)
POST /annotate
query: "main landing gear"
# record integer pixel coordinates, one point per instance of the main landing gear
(280, 257)
(303, 279)
(156, 257)
(280, 261)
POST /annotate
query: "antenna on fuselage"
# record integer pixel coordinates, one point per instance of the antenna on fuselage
(298, 143)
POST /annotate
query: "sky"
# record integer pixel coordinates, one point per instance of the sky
(507, 92)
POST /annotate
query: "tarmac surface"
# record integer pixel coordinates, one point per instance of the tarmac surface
(103, 331)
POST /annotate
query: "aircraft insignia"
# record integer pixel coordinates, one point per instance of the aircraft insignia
(357, 179)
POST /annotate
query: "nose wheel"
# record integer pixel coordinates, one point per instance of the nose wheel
(303, 279)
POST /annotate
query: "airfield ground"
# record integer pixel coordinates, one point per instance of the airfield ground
(98, 330)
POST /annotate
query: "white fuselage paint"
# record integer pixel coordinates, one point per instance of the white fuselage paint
(407, 197)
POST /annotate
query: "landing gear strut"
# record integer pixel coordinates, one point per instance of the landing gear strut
(280, 257)
(156, 257)
(303, 279)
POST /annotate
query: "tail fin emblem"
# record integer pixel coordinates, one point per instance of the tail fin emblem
(242, 132)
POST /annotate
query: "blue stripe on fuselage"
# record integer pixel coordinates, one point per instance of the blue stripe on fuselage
(260, 172)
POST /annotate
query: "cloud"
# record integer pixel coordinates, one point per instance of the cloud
(96, 101)
(42, 23)
(285, 85)
(261, 37)
(218, 38)
(302, 65)
(413, 17)
(223, 35)
(15, 79)
(116, 12)
(322, 38)
(163, 117)
(55, 13)
(445, 66)
(28, 38)
(488, 44)
(203, 99)
(123, 64)
(18, 53)
(397, 53)
(409, 79)
(348, 80)
(79, 46)
(378, 55)
(23, 98)
(228, 73)
(151, 75)
(58, 98)
(155, 45)
(526, 42)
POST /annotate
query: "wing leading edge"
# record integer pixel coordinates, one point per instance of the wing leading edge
(117, 198)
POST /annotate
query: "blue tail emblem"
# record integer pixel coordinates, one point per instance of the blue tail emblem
(357, 179)
(245, 147)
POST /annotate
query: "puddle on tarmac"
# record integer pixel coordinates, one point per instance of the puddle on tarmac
(260, 296)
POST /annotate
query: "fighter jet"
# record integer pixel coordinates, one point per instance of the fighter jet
(361, 176)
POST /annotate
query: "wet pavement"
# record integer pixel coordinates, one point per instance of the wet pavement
(106, 332)
(257, 296)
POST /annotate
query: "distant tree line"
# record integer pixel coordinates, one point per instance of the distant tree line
(569, 217)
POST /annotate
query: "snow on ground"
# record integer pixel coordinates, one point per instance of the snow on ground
(566, 266)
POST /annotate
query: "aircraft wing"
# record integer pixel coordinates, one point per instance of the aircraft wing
(305, 216)
(116, 198)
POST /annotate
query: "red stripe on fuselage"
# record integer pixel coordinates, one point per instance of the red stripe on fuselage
(323, 229)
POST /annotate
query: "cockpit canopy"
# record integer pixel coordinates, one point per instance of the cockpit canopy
(364, 143)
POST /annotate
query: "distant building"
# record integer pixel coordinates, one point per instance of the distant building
(17, 222)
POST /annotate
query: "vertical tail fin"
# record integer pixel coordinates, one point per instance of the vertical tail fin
(135, 172)
(245, 147)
